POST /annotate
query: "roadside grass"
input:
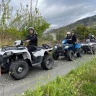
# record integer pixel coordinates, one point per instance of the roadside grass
(43, 41)
(6, 42)
(78, 82)
(10, 42)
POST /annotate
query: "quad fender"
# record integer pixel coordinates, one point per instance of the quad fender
(42, 52)
(26, 55)
(39, 53)
(64, 41)
(77, 46)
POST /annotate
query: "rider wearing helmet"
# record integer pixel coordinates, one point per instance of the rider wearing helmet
(71, 38)
(68, 37)
(74, 39)
(32, 41)
(91, 37)
(32, 37)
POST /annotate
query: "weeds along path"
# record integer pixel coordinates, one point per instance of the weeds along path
(36, 74)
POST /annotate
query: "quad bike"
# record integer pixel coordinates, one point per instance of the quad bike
(17, 59)
(89, 47)
(67, 50)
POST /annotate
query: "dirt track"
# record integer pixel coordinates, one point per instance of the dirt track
(36, 74)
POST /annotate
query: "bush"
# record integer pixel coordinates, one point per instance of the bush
(79, 82)
(60, 36)
(17, 24)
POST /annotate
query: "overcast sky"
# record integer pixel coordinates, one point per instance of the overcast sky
(62, 12)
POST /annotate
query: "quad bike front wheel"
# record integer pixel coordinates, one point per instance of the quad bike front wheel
(70, 55)
(47, 63)
(55, 55)
(18, 69)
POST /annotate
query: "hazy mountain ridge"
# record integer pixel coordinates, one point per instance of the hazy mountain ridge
(89, 22)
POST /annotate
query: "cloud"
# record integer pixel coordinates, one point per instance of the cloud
(61, 12)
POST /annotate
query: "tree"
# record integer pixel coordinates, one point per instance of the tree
(81, 32)
(22, 19)
(60, 36)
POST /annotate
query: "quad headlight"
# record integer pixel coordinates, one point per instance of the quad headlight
(55, 47)
(66, 47)
(8, 53)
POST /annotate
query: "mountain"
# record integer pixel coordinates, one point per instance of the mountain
(89, 22)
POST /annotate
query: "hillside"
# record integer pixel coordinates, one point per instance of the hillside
(89, 21)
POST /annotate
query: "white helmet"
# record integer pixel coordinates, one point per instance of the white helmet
(68, 33)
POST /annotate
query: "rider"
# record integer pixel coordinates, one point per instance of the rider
(74, 39)
(31, 40)
(31, 37)
(71, 38)
(89, 36)
(68, 37)
(93, 38)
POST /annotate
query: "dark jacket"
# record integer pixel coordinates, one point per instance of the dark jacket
(33, 39)
(68, 37)
(74, 38)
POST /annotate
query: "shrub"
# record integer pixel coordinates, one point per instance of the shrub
(79, 82)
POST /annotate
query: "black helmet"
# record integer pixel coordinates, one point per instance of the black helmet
(31, 28)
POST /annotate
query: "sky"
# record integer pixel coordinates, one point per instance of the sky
(62, 12)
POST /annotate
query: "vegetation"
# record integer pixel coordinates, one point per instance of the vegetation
(14, 23)
(60, 36)
(79, 82)
(81, 32)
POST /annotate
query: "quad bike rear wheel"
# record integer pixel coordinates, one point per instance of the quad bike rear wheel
(47, 63)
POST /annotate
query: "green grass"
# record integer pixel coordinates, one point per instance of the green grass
(78, 82)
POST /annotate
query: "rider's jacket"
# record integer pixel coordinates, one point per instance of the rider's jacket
(33, 39)
(68, 37)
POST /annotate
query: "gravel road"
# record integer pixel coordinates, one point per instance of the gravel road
(61, 67)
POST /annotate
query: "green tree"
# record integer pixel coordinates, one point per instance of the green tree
(81, 32)
(23, 18)
(60, 36)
